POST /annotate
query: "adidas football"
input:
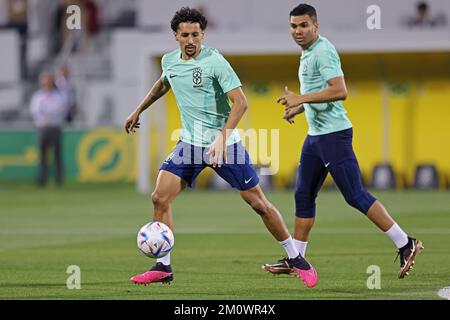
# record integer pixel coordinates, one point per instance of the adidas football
(155, 239)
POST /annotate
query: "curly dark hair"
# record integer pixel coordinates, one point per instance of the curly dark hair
(186, 14)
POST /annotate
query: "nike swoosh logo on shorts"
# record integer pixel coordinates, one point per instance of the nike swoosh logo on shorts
(247, 181)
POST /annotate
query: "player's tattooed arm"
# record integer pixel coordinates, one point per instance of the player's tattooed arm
(240, 105)
(335, 91)
(159, 89)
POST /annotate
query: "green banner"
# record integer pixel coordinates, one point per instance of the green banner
(100, 155)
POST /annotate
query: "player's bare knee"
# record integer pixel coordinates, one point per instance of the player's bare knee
(258, 208)
(159, 200)
(261, 207)
(255, 202)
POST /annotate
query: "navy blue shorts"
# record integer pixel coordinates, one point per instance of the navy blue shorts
(187, 161)
(331, 153)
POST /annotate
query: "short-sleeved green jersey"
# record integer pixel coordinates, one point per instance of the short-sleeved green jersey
(318, 64)
(200, 86)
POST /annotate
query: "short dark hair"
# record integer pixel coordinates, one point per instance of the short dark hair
(302, 9)
(186, 14)
(422, 6)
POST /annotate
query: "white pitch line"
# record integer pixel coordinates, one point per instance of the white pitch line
(444, 293)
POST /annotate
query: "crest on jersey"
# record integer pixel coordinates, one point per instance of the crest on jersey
(197, 77)
(305, 68)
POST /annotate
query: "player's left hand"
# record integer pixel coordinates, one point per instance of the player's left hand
(290, 114)
(217, 152)
(290, 99)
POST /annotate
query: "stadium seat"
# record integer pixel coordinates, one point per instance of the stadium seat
(426, 177)
(383, 177)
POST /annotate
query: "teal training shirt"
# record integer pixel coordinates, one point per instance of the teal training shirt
(318, 64)
(200, 86)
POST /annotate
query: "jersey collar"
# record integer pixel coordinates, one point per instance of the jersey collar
(314, 44)
(202, 51)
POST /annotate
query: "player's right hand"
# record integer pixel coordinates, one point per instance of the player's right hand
(217, 152)
(132, 123)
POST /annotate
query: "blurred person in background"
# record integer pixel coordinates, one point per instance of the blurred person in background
(423, 18)
(91, 25)
(3, 15)
(49, 112)
(60, 31)
(64, 86)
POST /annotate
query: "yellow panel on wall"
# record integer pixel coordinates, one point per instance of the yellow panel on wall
(432, 125)
(364, 110)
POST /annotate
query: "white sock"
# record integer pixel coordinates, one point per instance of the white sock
(301, 246)
(165, 260)
(290, 248)
(397, 235)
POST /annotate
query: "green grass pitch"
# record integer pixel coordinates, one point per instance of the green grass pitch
(220, 245)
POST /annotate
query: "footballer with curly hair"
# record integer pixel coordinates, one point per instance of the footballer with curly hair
(204, 83)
